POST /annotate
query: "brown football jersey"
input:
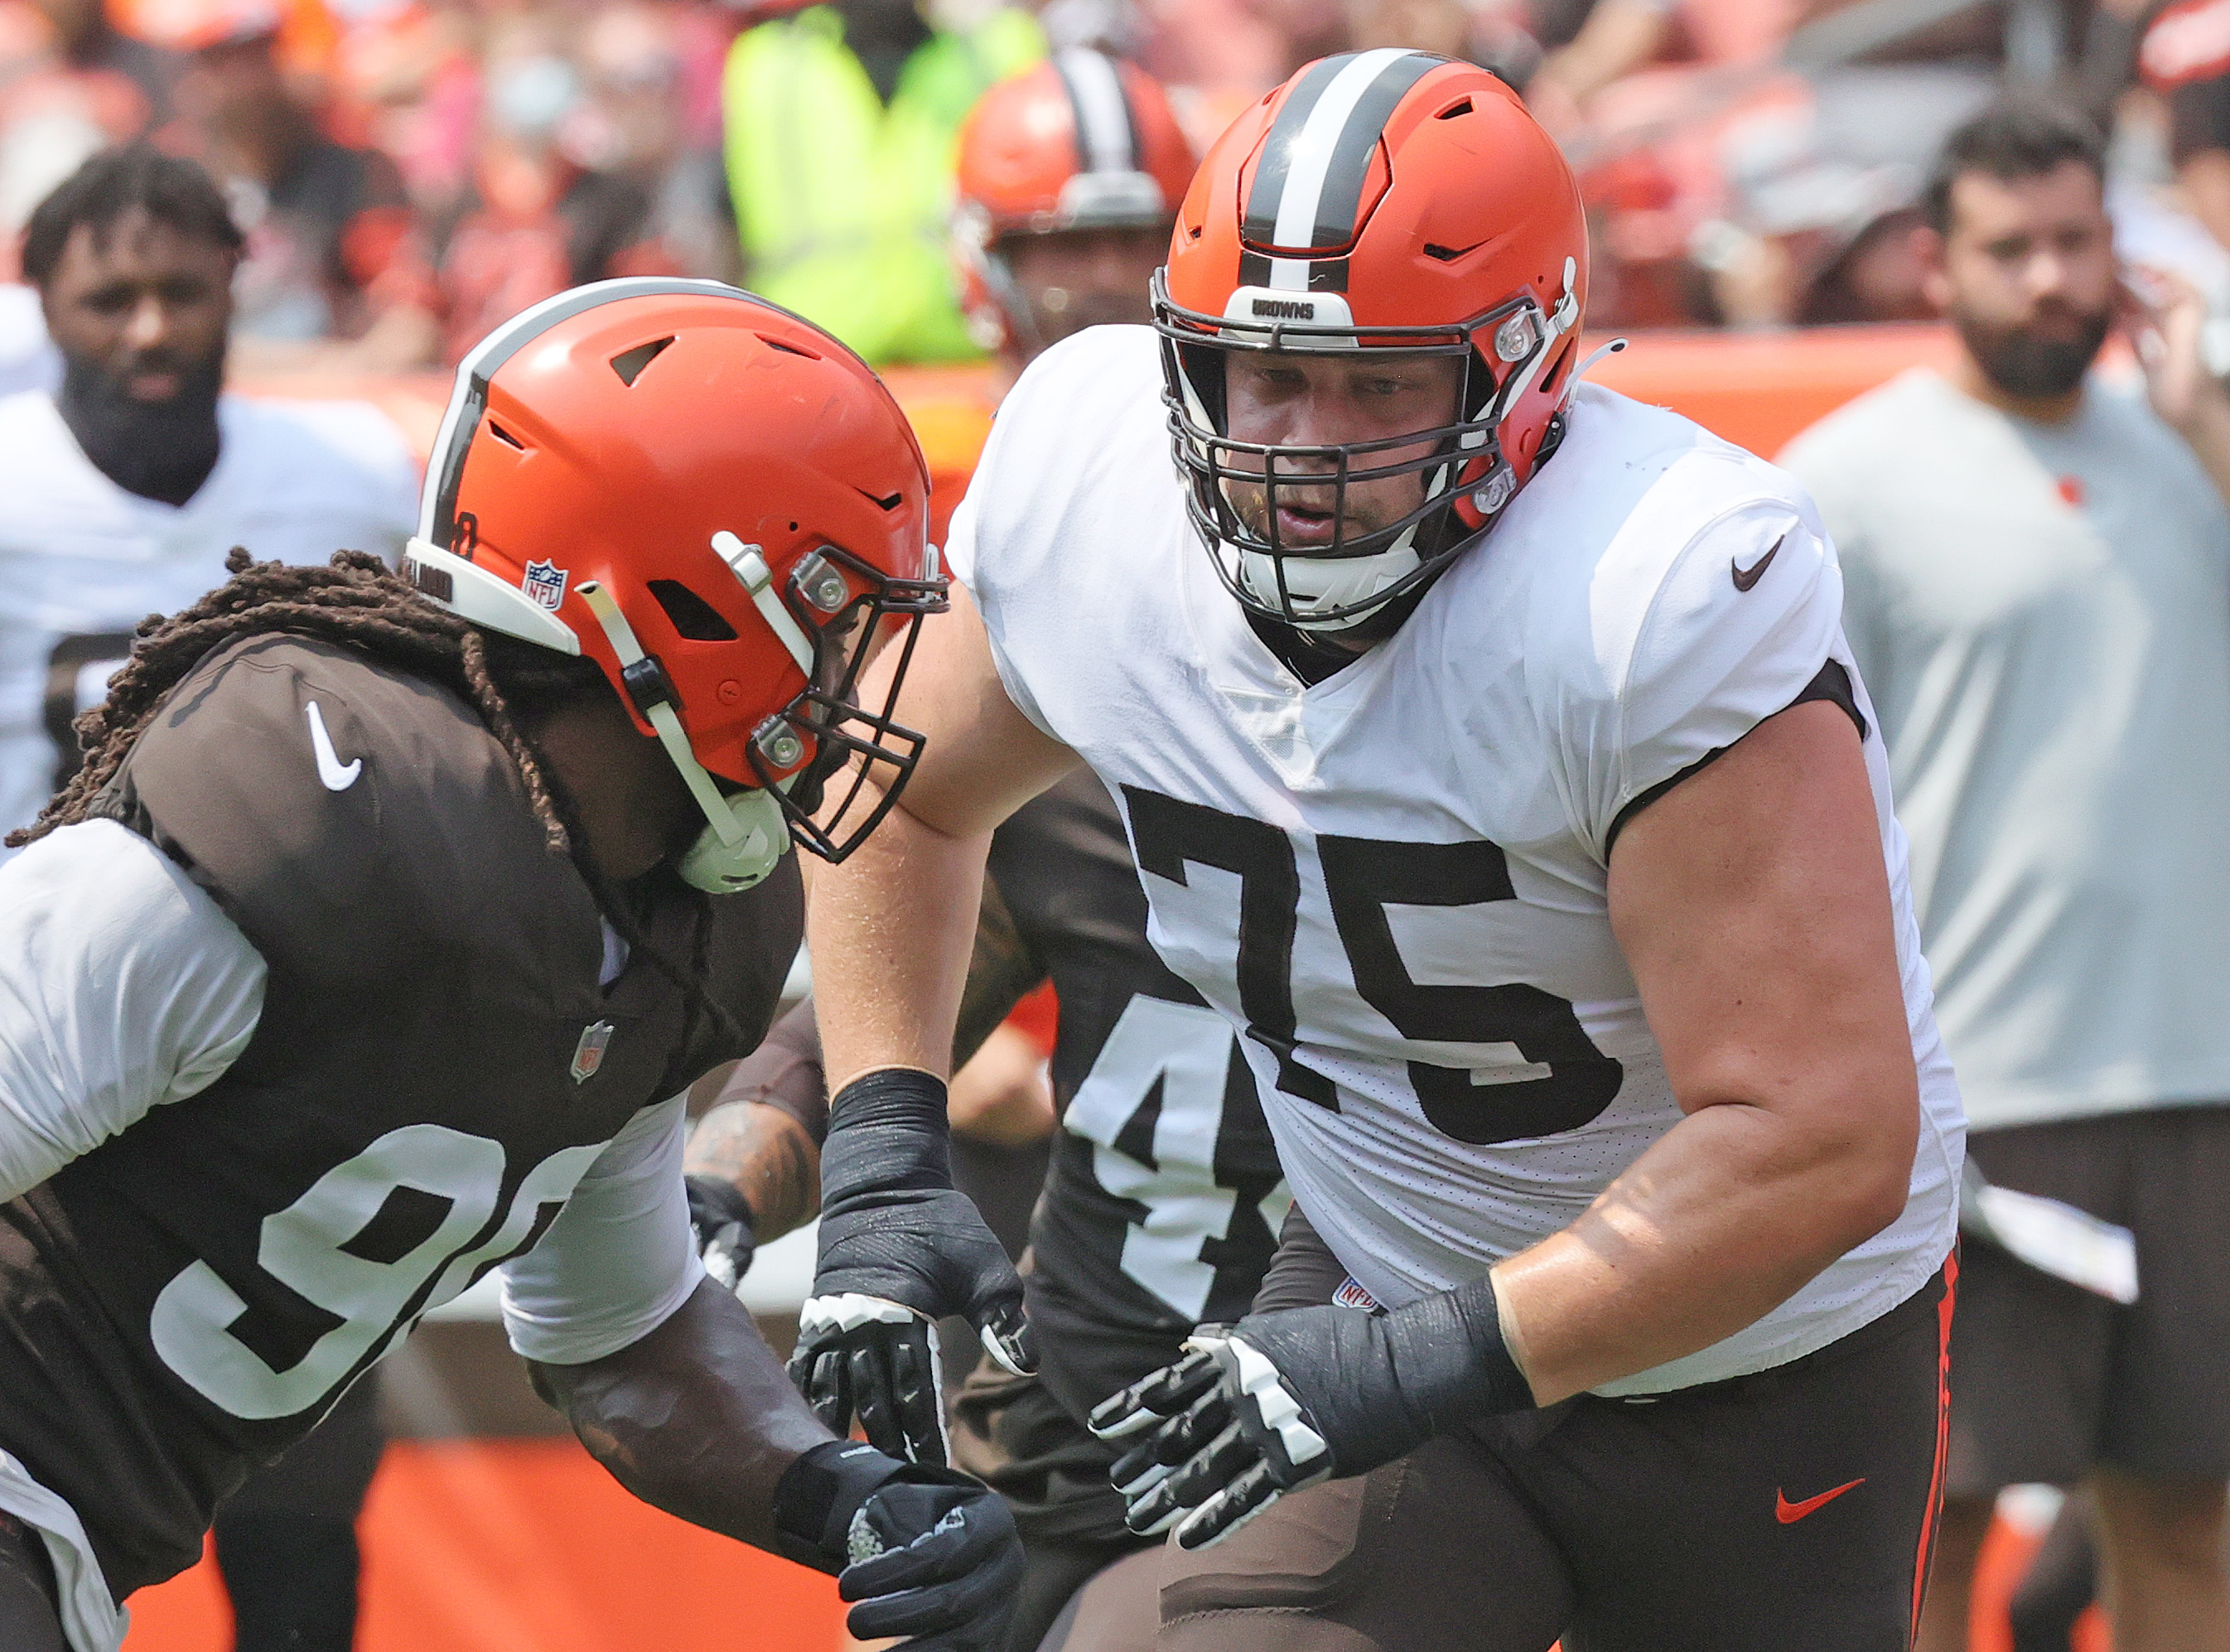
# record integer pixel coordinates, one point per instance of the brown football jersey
(435, 1065)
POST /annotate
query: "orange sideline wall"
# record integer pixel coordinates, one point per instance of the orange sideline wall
(526, 1546)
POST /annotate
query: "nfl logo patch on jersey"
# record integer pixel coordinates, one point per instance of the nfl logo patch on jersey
(545, 582)
(1352, 1296)
(589, 1054)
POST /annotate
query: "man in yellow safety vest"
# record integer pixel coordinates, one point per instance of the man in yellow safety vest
(842, 122)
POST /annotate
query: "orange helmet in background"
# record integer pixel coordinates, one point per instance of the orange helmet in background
(723, 507)
(1081, 141)
(1388, 200)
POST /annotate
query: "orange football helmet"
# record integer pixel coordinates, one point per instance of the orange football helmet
(723, 507)
(1078, 142)
(1388, 200)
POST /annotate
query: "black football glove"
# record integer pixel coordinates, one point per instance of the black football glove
(1280, 1401)
(900, 1249)
(721, 1217)
(926, 1552)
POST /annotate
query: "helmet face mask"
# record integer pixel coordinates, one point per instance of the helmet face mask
(827, 719)
(1384, 200)
(1463, 479)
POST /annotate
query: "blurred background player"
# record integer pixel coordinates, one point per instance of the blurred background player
(1068, 180)
(2037, 562)
(842, 121)
(128, 484)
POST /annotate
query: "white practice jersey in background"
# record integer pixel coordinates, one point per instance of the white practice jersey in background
(82, 562)
(1394, 881)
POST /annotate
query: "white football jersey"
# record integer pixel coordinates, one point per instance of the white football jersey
(1394, 882)
(82, 561)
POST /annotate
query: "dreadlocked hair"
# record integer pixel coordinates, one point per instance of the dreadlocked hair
(358, 602)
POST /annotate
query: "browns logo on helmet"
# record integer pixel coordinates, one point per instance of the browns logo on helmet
(1380, 200)
(722, 507)
(1081, 142)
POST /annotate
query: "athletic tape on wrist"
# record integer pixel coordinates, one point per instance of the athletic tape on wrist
(886, 1134)
(1450, 1358)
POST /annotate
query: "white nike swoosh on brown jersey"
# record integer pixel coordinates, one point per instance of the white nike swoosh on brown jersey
(335, 775)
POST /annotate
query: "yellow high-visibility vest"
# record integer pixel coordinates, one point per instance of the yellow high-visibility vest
(843, 203)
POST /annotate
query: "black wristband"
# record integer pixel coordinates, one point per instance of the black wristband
(1450, 1358)
(715, 1201)
(887, 1131)
(817, 1496)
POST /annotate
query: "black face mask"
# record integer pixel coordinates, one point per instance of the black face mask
(2026, 364)
(883, 34)
(159, 451)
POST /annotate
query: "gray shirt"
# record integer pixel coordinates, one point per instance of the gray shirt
(2042, 616)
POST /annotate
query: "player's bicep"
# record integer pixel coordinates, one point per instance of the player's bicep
(984, 757)
(122, 987)
(620, 1257)
(1753, 906)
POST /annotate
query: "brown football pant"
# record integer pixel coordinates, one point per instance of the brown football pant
(1791, 1508)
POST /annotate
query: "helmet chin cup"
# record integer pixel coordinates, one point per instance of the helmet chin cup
(1314, 585)
(719, 868)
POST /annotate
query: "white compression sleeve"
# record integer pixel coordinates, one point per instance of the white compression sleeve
(620, 1258)
(122, 986)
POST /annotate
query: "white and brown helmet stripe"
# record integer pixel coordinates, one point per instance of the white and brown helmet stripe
(1307, 190)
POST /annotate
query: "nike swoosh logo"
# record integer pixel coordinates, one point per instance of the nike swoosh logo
(1788, 1513)
(335, 775)
(1745, 578)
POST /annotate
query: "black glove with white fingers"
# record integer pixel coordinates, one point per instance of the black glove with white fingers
(721, 1217)
(926, 1552)
(1280, 1401)
(900, 1249)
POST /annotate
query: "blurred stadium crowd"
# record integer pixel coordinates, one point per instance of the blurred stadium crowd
(411, 171)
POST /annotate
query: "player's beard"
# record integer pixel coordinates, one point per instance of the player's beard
(2030, 361)
(161, 450)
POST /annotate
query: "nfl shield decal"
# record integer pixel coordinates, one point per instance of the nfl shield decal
(589, 1054)
(545, 582)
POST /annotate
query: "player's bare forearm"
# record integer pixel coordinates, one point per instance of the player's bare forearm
(890, 928)
(696, 1418)
(1753, 907)
(768, 1157)
(889, 932)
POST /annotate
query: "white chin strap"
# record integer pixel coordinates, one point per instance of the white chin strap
(745, 835)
